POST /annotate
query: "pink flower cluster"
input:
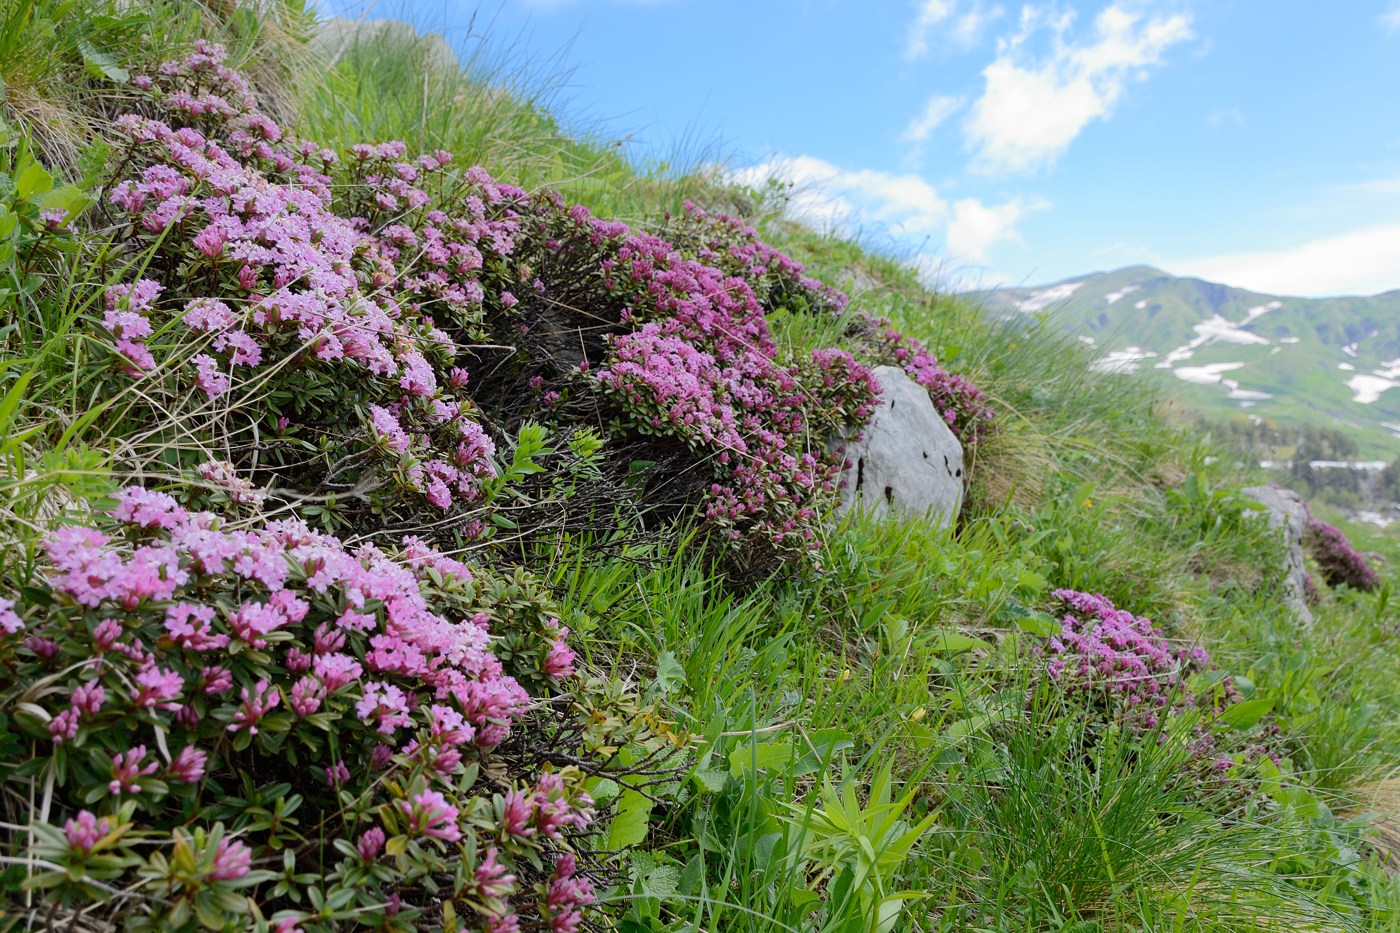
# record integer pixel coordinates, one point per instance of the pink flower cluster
(703, 367)
(962, 405)
(1339, 562)
(178, 647)
(233, 208)
(1109, 654)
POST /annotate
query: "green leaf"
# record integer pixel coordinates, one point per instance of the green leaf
(1247, 714)
(710, 779)
(32, 181)
(102, 65)
(601, 789)
(629, 826)
(669, 673)
(758, 757)
(955, 643)
(68, 198)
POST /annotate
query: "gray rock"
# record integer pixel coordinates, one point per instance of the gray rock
(907, 462)
(1288, 512)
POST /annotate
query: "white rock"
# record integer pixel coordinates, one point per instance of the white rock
(1288, 511)
(907, 461)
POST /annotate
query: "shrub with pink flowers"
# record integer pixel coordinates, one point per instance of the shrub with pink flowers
(1130, 675)
(1120, 661)
(1339, 562)
(376, 326)
(220, 714)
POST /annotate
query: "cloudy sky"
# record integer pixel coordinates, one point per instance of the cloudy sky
(1254, 142)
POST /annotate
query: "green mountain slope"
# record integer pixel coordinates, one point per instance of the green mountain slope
(1326, 361)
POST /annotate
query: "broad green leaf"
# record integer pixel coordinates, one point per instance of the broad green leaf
(32, 181)
(102, 65)
(758, 757)
(68, 198)
(1247, 714)
(629, 825)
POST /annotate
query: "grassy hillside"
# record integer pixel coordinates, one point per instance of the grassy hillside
(622, 666)
(1228, 351)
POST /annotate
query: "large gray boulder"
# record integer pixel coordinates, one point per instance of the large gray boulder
(907, 462)
(1289, 512)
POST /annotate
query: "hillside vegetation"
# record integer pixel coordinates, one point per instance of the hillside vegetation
(417, 517)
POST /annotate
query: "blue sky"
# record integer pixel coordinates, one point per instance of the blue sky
(1255, 143)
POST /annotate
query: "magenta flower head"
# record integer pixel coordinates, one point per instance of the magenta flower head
(84, 831)
(430, 814)
(232, 860)
(370, 844)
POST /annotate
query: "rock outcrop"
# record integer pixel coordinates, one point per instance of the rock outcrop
(907, 461)
(1288, 511)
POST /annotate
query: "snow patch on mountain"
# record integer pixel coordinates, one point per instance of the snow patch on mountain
(1113, 297)
(1045, 297)
(1205, 375)
(1369, 388)
(1128, 360)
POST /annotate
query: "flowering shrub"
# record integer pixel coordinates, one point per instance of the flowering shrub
(1131, 674)
(1120, 660)
(1337, 560)
(225, 713)
(374, 324)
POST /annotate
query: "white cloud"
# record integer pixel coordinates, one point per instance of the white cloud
(1390, 19)
(939, 108)
(1032, 109)
(931, 13)
(827, 196)
(968, 26)
(976, 226)
(1363, 262)
(963, 26)
(830, 197)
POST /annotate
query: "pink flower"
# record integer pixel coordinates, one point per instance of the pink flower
(370, 844)
(386, 704)
(232, 860)
(158, 688)
(337, 774)
(255, 706)
(188, 766)
(216, 680)
(10, 622)
(306, 697)
(430, 814)
(88, 698)
(519, 813)
(147, 509)
(84, 831)
(493, 882)
(190, 626)
(64, 726)
(210, 378)
(127, 767)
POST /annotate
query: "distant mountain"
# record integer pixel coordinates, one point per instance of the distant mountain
(1332, 362)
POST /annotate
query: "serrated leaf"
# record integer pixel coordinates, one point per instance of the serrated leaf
(710, 779)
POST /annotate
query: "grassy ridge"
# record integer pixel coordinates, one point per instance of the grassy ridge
(873, 747)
